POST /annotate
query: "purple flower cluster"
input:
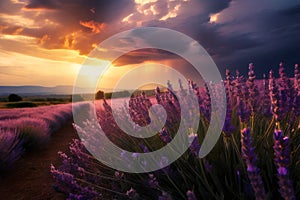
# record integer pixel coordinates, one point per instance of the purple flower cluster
(266, 97)
(248, 153)
(72, 187)
(194, 144)
(242, 105)
(282, 162)
(132, 194)
(138, 108)
(165, 136)
(229, 87)
(252, 88)
(72, 175)
(26, 128)
(165, 196)
(222, 174)
(190, 195)
(276, 104)
(296, 102)
(11, 147)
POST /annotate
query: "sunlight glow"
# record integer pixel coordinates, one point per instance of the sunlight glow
(171, 14)
(18, 69)
(19, 38)
(143, 2)
(214, 18)
(126, 19)
(18, 20)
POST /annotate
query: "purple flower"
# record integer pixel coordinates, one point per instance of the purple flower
(229, 88)
(243, 110)
(66, 182)
(276, 104)
(190, 195)
(248, 153)
(165, 136)
(296, 78)
(252, 88)
(152, 181)
(194, 144)
(205, 105)
(286, 91)
(165, 196)
(144, 148)
(228, 128)
(132, 194)
(75, 197)
(11, 147)
(266, 97)
(296, 102)
(282, 161)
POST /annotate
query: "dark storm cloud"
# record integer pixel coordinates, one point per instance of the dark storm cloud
(291, 11)
(140, 56)
(79, 23)
(276, 33)
(192, 20)
(265, 36)
(214, 6)
(104, 11)
(263, 32)
(47, 4)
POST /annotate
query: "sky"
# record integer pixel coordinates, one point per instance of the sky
(44, 42)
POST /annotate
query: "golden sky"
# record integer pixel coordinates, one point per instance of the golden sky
(44, 42)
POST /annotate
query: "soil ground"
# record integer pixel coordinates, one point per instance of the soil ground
(30, 177)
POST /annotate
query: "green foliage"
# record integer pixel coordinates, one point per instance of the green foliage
(25, 104)
(119, 94)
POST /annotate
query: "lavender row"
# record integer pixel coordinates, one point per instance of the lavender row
(257, 156)
(28, 128)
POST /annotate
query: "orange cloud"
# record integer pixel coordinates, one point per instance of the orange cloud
(44, 39)
(2, 27)
(18, 31)
(70, 40)
(94, 26)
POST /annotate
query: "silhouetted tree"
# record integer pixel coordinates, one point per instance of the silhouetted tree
(14, 98)
(99, 95)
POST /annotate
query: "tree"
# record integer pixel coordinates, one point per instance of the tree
(99, 95)
(14, 98)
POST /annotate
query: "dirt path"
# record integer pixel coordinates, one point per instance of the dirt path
(30, 178)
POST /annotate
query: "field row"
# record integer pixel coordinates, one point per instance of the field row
(25, 129)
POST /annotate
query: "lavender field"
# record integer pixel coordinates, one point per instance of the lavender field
(256, 157)
(29, 129)
(149, 100)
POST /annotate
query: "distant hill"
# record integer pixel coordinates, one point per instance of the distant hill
(38, 90)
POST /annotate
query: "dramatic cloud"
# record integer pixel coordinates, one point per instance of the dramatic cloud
(233, 32)
(94, 26)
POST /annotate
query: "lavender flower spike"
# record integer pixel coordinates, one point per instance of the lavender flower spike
(250, 157)
(296, 102)
(165, 136)
(194, 144)
(274, 96)
(252, 88)
(190, 195)
(132, 194)
(282, 162)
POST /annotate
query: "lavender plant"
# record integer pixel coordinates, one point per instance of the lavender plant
(249, 161)
(29, 128)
